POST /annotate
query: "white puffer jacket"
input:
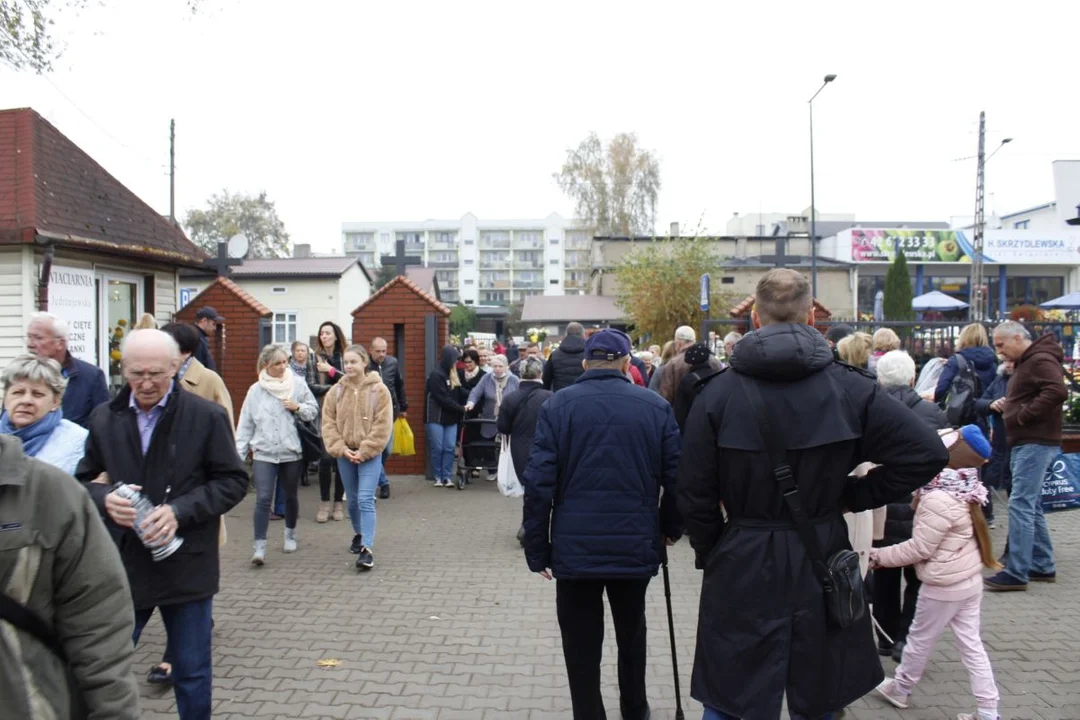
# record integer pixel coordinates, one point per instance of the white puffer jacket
(942, 547)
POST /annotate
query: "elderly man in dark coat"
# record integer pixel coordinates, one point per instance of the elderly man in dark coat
(603, 450)
(763, 629)
(178, 448)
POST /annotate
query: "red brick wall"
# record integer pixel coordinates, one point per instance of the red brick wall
(240, 339)
(401, 305)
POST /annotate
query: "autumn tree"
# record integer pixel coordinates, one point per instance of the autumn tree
(26, 30)
(614, 188)
(230, 213)
(462, 320)
(659, 285)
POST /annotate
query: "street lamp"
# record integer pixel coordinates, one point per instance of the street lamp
(813, 206)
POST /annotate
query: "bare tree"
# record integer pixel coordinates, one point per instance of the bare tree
(614, 188)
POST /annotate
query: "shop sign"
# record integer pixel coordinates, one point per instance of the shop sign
(73, 298)
(1007, 247)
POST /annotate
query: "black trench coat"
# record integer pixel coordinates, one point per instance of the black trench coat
(761, 626)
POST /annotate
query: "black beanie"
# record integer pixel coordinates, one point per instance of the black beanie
(698, 354)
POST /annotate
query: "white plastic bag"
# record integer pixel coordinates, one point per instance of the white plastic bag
(509, 485)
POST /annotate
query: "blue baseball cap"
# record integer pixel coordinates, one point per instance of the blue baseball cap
(608, 344)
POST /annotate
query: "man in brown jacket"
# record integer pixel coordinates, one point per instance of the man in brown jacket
(1032, 410)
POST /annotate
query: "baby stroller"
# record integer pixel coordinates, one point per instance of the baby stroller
(478, 453)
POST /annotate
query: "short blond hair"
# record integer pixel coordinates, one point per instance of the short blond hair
(31, 368)
(855, 349)
(973, 335)
(885, 340)
(783, 296)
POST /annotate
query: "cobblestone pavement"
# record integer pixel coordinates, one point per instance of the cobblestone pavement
(451, 624)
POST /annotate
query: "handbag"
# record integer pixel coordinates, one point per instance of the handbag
(310, 439)
(840, 575)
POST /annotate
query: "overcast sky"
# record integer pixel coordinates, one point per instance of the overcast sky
(350, 111)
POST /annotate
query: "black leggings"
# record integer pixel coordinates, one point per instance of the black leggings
(325, 466)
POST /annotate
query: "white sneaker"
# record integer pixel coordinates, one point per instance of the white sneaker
(887, 689)
(978, 715)
(439, 482)
(259, 557)
(290, 541)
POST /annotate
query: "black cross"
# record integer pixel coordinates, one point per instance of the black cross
(781, 258)
(400, 260)
(222, 263)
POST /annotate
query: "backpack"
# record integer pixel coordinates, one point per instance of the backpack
(964, 390)
(689, 388)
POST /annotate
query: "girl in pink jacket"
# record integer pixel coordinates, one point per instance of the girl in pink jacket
(950, 545)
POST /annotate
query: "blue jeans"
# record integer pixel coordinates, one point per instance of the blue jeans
(360, 482)
(711, 714)
(441, 440)
(1029, 538)
(188, 632)
(383, 480)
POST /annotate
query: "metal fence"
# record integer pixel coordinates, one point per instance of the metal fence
(922, 340)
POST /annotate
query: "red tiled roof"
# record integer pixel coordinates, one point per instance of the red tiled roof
(50, 188)
(402, 280)
(243, 295)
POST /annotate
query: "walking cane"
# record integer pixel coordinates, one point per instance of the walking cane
(671, 633)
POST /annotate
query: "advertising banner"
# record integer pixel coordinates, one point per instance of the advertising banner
(1008, 247)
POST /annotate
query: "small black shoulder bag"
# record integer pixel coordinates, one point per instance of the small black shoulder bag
(840, 576)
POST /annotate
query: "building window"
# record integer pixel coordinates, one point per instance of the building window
(469, 261)
(727, 281)
(469, 281)
(554, 241)
(1022, 224)
(554, 261)
(359, 241)
(280, 290)
(468, 241)
(285, 327)
(553, 281)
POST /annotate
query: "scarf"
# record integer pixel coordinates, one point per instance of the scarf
(500, 385)
(474, 373)
(299, 368)
(281, 388)
(962, 484)
(35, 435)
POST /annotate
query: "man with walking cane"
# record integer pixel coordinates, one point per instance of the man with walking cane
(594, 518)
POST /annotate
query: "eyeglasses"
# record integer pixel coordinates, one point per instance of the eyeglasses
(143, 376)
(41, 338)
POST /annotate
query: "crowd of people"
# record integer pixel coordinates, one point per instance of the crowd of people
(767, 459)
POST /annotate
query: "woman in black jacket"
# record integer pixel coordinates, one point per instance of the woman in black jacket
(325, 366)
(518, 415)
(444, 412)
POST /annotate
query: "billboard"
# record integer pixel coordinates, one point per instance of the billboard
(1006, 247)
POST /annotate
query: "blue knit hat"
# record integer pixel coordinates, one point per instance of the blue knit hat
(973, 436)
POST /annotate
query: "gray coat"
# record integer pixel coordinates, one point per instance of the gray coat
(483, 398)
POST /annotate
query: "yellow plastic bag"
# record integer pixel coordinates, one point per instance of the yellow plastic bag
(403, 438)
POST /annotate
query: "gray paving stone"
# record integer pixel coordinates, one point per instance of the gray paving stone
(451, 625)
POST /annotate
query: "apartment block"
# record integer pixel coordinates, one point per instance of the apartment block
(484, 262)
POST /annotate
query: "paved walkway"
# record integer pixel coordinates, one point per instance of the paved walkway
(451, 624)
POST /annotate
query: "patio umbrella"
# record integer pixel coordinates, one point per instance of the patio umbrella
(1065, 302)
(936, 301)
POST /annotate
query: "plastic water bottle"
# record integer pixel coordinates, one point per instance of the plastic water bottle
(143, 507)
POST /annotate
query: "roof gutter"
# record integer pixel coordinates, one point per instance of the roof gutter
(176, 258)
(43, 280)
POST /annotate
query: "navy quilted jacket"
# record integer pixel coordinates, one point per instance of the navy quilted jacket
(603, 450)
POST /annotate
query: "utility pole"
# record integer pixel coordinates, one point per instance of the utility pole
(975, 298)
(172, 171)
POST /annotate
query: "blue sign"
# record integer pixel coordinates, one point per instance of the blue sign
(705, 292)
(185, 296)
(1061, 486)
